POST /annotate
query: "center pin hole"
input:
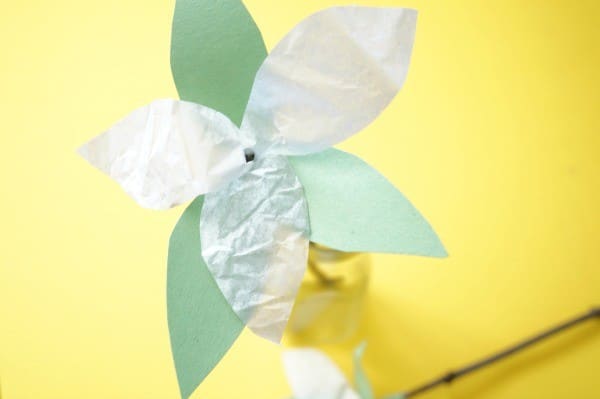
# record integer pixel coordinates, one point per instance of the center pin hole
(249, 154)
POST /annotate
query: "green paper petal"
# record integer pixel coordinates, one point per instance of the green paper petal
(353, 208)
(202, 325)
(361, 382)
(216, 50)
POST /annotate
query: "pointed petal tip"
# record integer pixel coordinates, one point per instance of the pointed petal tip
(82, 151)
(435, 249)
(359, 351)
(441, 253)
(187, 391)
(439, 250)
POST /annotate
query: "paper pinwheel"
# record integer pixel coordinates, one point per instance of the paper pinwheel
(267, 187)
(312, 375)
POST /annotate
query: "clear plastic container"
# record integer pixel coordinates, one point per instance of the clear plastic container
(329, 303)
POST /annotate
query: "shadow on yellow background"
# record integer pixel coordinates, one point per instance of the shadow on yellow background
(494, 137)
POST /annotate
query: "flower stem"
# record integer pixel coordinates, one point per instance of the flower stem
(454, 375)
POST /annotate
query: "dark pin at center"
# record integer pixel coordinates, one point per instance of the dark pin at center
(249, 154)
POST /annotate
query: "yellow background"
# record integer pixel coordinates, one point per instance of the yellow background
(494, 137)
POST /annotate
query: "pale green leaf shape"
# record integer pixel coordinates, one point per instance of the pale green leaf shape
(354, 208)
(361, 382)
(216, 50)
(202, 325)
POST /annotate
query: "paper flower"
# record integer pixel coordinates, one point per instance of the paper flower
(312, 375)
(268, 187)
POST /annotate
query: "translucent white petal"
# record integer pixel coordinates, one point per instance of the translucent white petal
(169, 152)
(312, 375)
(254, 235)
(330, 77)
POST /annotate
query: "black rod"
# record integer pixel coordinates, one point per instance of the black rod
(453, 375)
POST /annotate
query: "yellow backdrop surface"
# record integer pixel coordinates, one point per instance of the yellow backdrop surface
(494, 137)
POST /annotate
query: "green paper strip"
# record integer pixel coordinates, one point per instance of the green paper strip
(361, 382)
(216, 50)
(202, 325)
(354, 208)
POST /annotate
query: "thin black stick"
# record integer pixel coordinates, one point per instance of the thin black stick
(453, 375)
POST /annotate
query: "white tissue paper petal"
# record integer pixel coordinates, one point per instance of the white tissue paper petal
(329, 78)
(254, 235)
(312, 375)
(169, 152)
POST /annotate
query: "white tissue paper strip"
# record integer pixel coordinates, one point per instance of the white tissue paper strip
(254, 236)
(169, 152)
(312, 375)
(330, 77)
